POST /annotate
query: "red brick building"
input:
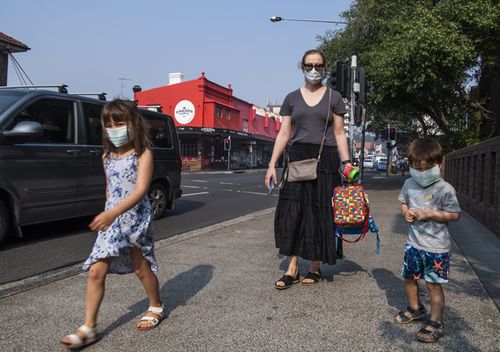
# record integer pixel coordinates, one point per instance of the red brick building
(205, 114)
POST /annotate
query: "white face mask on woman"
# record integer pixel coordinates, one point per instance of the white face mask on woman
(314, 76)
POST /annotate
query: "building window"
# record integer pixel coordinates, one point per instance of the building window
(218, 111)
(189, 150)
(245, 126)
(227, 114)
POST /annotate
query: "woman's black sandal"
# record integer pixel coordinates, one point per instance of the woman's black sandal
(287, 280)
(315, 277)
(410, 315)
(430, 336)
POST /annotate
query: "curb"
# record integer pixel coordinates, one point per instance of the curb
(242, 171)
(16, 287)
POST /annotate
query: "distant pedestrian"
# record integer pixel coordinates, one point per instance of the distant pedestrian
(402, 166)
(303, 222)
(125, 239)
(428, 204)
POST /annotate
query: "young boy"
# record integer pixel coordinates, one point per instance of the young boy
(428, 204)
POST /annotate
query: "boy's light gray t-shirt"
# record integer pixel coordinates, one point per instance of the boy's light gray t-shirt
(429, 235)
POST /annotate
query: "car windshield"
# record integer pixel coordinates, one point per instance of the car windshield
(7, 99)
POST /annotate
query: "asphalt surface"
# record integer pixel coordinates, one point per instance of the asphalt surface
(217, 285)
(208, 198)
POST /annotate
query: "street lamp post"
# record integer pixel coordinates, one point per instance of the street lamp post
(353, 76)
(278, 19)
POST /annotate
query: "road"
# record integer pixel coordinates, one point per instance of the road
(208, 198)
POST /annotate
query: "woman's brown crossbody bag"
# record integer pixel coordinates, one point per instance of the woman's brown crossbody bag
(306, 170)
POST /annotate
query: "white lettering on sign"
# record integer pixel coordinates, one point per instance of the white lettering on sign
(184, 112)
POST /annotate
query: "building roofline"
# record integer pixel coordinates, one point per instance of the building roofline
(12, 45)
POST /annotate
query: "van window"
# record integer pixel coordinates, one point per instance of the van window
(56, 117)
(161, 136)
(92, 114)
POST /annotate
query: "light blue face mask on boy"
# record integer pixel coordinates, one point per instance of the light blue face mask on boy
(427, 177)
(119, 136)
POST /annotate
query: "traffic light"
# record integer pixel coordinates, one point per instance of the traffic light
(340, 79)
(383, 134)
(392, 134)
(227, 143)
(362, 85)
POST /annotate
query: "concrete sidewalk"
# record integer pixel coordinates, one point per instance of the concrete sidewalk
(217, 285)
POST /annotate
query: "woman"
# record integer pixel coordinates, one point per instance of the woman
(303, 222)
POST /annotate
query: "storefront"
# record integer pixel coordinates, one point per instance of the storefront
(206, 114)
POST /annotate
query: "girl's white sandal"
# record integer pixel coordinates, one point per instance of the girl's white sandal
(153, 321)
(76, 341)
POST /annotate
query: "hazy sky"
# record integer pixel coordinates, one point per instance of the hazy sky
(90, 44)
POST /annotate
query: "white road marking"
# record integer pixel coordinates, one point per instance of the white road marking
(225, 189)
(202, 181)
(185, 186)
(258, 193)
(226, 183)
(194, 194)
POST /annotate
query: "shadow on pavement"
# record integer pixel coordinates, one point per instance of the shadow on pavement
(184, 206)
(343, 267)
(393, 286)
(453, 340)
(174, 293)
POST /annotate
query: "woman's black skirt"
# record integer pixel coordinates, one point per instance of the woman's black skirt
(303, 224)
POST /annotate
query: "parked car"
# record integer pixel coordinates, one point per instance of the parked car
(381, 164)
(51, 158)
(368, 162)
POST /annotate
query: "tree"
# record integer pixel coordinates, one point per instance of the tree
(420, 58)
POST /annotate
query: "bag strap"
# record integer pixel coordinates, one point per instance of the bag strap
(326, 123)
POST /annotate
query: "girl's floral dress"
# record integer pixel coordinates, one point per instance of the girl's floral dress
(130, 229)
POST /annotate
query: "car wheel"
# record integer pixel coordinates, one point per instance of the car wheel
(4, 222)
(159, 199)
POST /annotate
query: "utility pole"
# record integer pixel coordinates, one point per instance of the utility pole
(389, 150)
(363, 132)
(353, 105)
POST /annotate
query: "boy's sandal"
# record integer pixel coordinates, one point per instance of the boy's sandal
(410, 315)
(315, 277)
(287, 280)
(74, 341)
(152, 321)
(427, 335)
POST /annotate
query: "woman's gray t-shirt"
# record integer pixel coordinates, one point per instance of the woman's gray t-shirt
(308, 122)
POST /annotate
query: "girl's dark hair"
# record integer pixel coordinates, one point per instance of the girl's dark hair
(310, 52)
(425, 149)
(128, 112)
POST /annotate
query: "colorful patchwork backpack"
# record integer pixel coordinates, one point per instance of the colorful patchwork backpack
(351, 213)
(351, 209)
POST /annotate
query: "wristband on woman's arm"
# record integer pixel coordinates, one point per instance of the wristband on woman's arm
(345, 162)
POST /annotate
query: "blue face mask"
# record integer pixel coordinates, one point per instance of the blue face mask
(314, 76)
(119, 136)
(427, 177)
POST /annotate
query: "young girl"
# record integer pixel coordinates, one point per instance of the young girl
(125, 238)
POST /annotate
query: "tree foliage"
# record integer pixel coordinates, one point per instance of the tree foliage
(421, 57)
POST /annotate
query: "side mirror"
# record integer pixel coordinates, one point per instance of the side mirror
(25, 129)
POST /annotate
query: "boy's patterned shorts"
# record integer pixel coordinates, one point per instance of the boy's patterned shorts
(432, 267)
